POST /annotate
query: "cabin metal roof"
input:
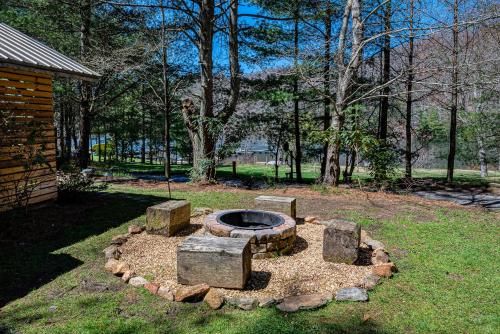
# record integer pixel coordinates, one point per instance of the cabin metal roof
(19, 49)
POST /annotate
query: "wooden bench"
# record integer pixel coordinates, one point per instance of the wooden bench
(341, 241)
(168, 218)
(286, 205)
(216, 261)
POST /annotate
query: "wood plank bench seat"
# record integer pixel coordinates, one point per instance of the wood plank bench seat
(216, 261)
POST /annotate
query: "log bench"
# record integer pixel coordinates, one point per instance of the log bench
(217, 261)
(341, 241)
(286, 205)
(168, 218)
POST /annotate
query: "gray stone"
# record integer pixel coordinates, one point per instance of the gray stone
(201, 212)
(119, 239)
(216, 261)
(214, 299)
(246, 304)
(116, 267)
(286, 205)
(127, 275)
(191, 293)
(303, 302)
(352, 294)
(134, 229)
(267, 302)
(165, 292)
(112, 252)
(370, 281)
(380, 256)
(138, 281)
(374, 244)
(53, 308)
(168, 218)
(341, 242)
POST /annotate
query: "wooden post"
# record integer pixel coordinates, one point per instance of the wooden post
(234, 168)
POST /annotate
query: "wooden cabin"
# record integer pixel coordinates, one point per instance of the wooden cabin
(27, 132)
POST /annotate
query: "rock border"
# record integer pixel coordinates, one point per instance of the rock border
(214, 300)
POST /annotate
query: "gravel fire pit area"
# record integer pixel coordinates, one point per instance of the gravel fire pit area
(302, 271)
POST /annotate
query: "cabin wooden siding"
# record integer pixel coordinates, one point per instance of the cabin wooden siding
(26, 97)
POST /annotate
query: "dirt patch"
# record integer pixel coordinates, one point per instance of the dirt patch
(301, 272)
(330, 202)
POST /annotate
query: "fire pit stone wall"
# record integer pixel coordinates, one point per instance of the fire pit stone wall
(265, 242)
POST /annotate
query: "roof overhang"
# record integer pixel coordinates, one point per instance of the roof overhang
(48, 70)
(24, 52)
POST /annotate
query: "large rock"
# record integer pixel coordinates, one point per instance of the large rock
(303, 302)
(112, 252)
(246, 304)
(216, 261)
(191, 293)
(370, 281)
(116, 267)
(341, 242)
(267, 302)
(352, 294)
(165, 292)
(286, 205)
(152, 287)
(168, 218)
(138, 281)
(373, 244)
(134, 229)
(201, 212)
(214, 299)
(127, 275)
(311, 220)
(380, 256)
(384, 270)
(119, 239)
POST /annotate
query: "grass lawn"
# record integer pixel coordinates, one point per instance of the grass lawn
(52, 278)
(310, 172)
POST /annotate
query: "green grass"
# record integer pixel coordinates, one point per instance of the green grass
(448, 280)
(310, 172)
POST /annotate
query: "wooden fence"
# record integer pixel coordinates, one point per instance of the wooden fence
(27, 117)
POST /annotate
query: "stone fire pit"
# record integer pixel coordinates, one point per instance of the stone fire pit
(270, 233)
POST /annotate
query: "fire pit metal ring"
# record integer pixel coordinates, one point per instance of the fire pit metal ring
(250, 219)
(270, 233)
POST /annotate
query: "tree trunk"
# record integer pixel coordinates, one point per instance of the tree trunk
(298, 151)
(203, 147)
(143, 138)
(62, 117)
(409, 101)
(454, 97)
(99, 144)
(326, 80)
(85, 89)
(386, 73)
(166, 97)
(482, 157)
(347, 75)
(105, 145)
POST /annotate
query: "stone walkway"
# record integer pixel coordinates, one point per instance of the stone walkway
(487, 200)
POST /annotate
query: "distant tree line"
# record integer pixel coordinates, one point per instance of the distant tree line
(388, 82)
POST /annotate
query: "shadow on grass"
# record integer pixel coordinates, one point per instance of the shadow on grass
(272, 321)
(27, 242)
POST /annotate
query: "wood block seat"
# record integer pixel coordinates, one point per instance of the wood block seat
(341, 241)
(217, 261)
(286, 205)
(168, 218)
